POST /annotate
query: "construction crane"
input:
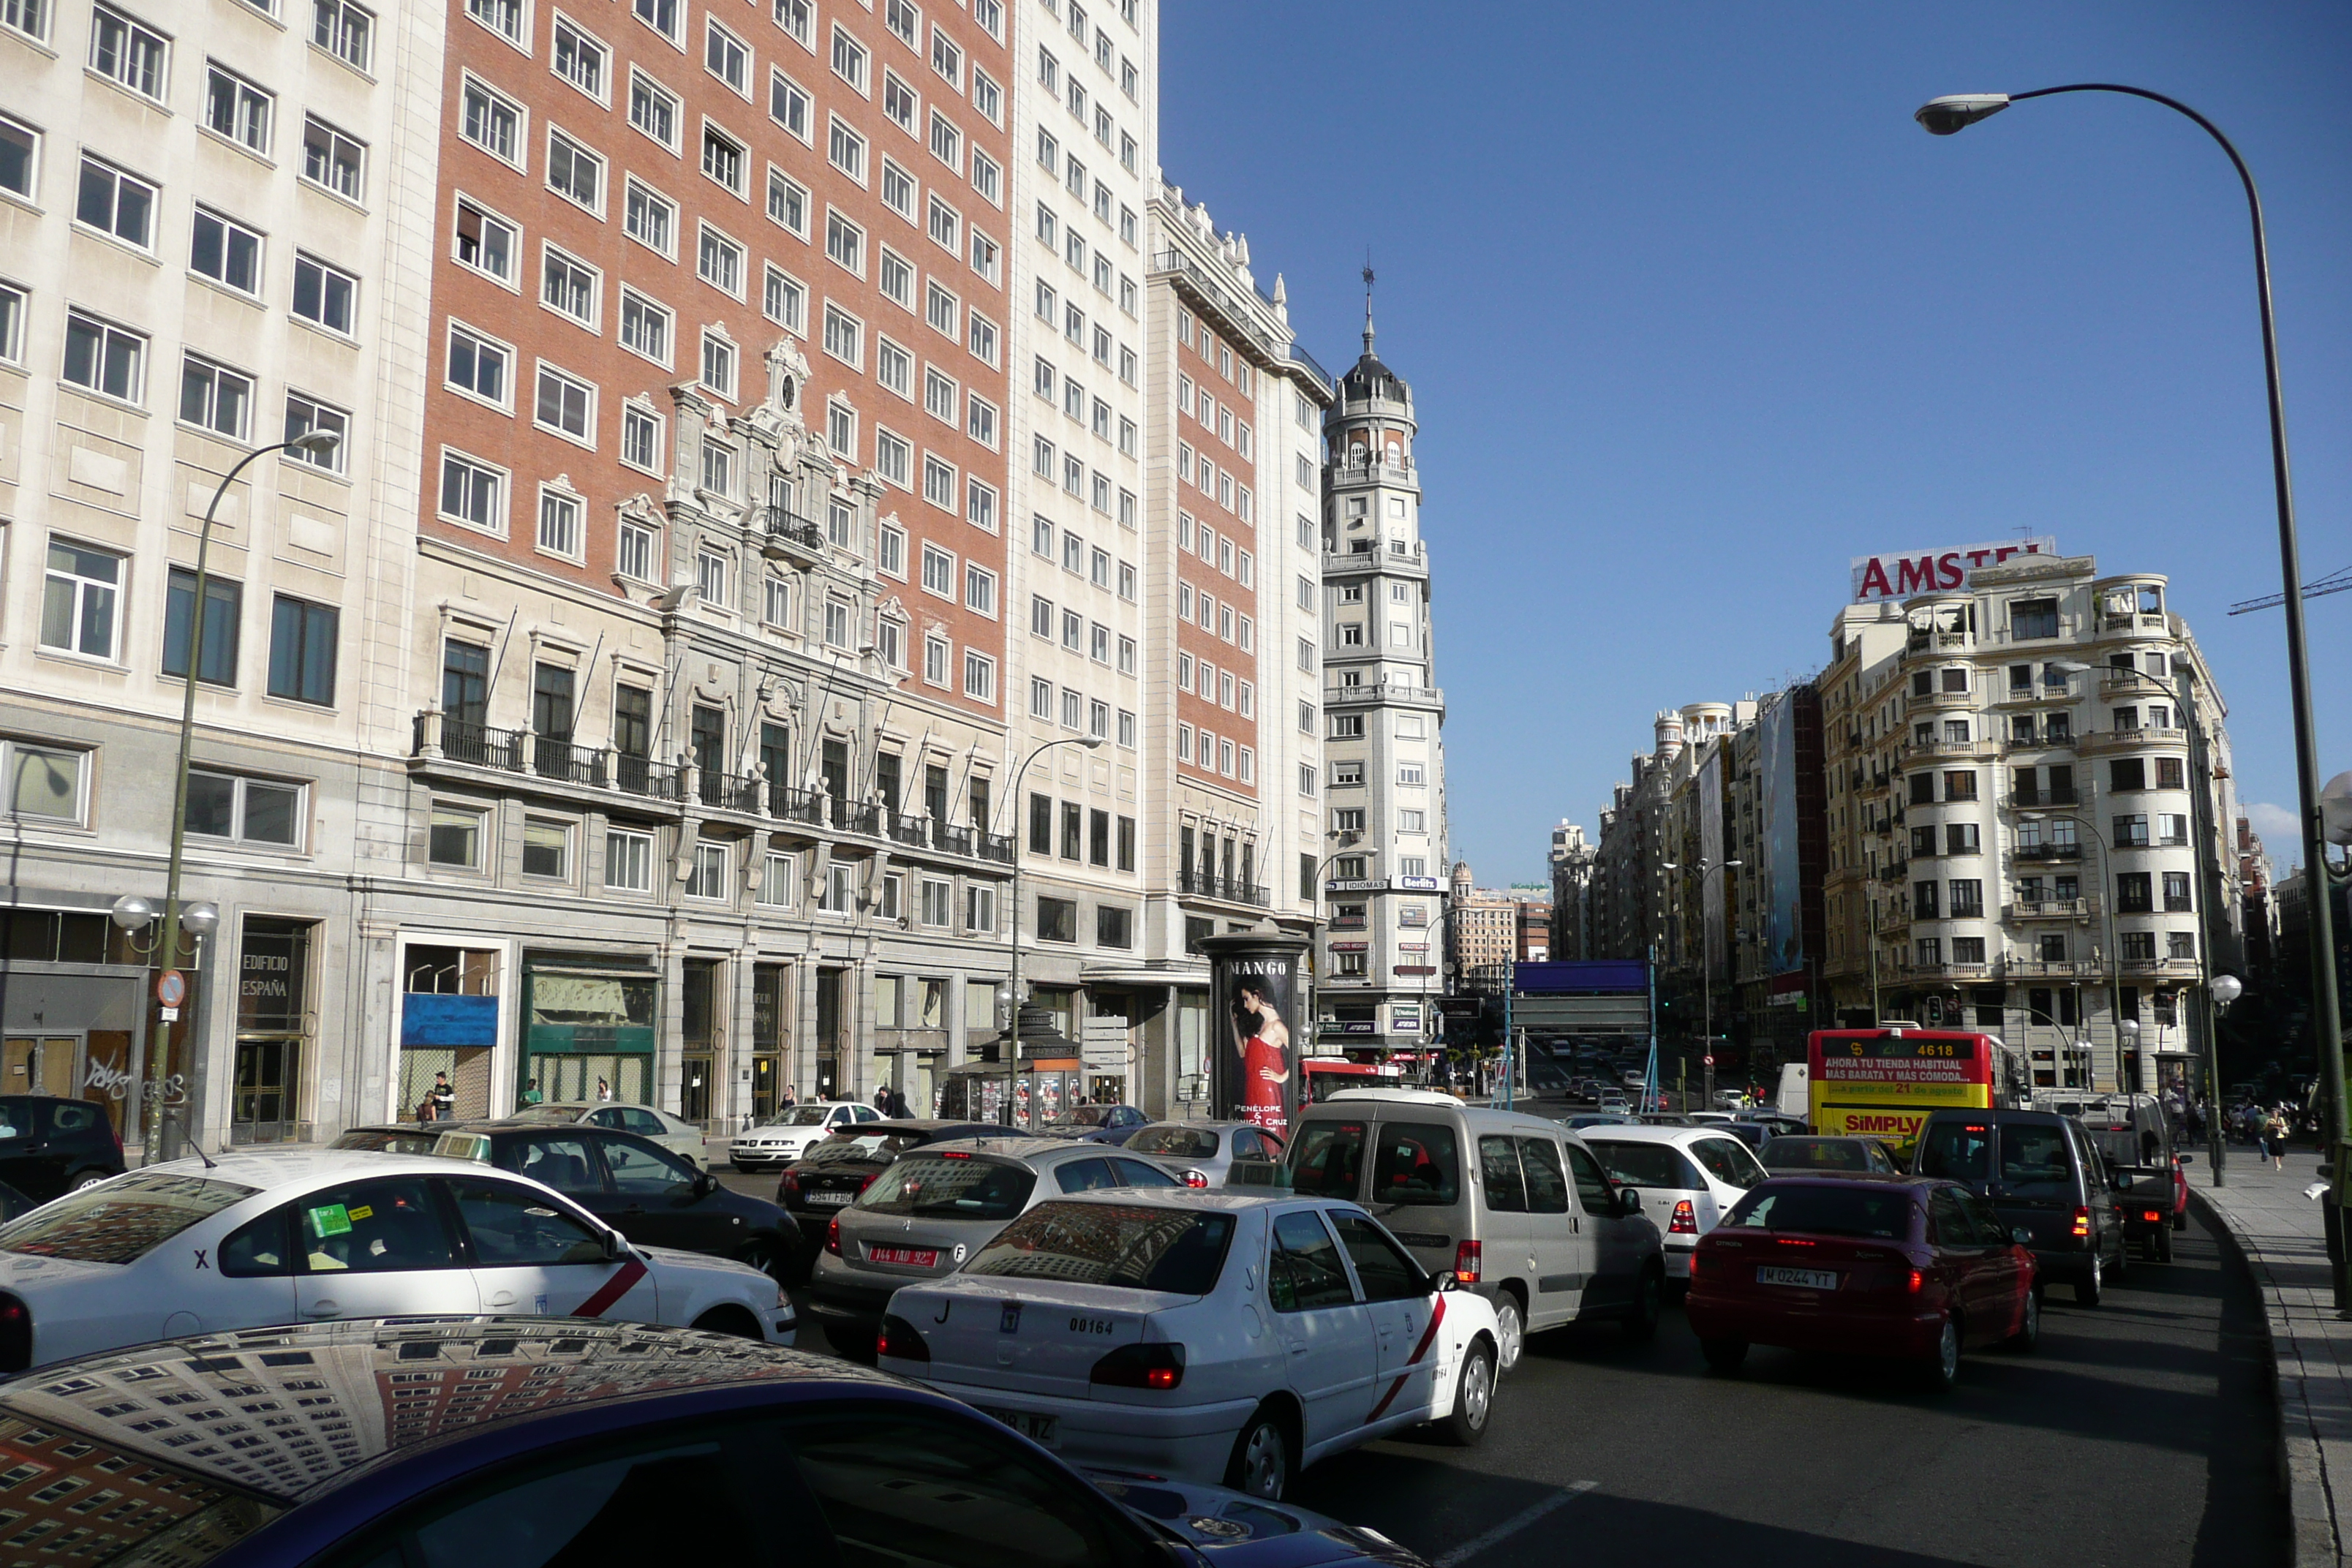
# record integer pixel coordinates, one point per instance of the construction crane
(2334, 583)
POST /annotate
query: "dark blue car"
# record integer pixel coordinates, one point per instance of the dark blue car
(534, 1443)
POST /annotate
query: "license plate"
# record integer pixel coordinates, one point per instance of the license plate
(916, 1256)
(818, 1200)
(1043, 1430)
(1808, 1278)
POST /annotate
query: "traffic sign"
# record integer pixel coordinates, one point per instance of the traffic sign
(1706, 1061)
(171, 988)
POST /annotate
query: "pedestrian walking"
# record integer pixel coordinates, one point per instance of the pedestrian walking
(790, 1099)
(882, 1097)
(2274, 1140)
(442, 1098)
(896, 1109)
(531, 1095)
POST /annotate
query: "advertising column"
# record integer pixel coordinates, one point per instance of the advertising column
(1257, 981)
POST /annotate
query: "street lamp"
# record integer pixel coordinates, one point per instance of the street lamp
(132, 913)
(1942, 117)
(1012, 1030)
(2223, 990)
(1706, 980)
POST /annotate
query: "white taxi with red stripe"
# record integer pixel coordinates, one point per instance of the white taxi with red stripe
(1221, 1336)
(252, 1239)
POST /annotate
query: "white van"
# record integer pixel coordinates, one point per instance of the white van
(1514, 1206)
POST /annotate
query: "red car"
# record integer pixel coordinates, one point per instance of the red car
(1906, 1268)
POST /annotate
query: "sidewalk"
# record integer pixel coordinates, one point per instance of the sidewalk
(2277, 1231)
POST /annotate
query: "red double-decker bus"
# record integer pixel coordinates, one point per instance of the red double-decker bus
(1882, 1083)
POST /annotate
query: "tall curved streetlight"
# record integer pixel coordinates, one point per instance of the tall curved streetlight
(1705, 979)
(132, 913)
(1956, 111)
(1013, 1029)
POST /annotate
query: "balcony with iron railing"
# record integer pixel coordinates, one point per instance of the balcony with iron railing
(1948, 751)
(1231, 889)
(559, 759)
(911, 830)
(2048, 851)
(2159, 968)
(788, 531)
(2054, 968)
(2052, 909)
(438, 741)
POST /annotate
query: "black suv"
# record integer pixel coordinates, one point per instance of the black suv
(50, 1146)
(2040, 1173)
(632, 1184)
(828, 1178)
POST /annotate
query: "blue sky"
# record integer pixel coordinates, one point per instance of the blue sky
(1694, 313)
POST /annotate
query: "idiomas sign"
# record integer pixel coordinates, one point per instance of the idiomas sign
(1902, 574)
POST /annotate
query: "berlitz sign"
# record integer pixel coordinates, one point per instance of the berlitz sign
(1902, 574)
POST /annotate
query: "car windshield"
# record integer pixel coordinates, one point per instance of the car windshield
(950, 1186)
(1815, 1154)
(121, 1220)
(843, 1146)
(1327, 1159)
(1644, 1165)
(1853, 1208)
(1140, 1247)
(385, 1141)
(799, 1116)
(548, 1113)
(1183, 1143)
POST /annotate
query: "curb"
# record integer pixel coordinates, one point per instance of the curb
(2302, 1472)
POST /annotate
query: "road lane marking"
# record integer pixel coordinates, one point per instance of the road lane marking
(1513, 1525)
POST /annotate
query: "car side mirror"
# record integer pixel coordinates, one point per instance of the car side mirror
(705, 1183)
(2186, 1159)
(1440, 1283)
(614, 1248)
(1629, 1200)
(2021, 1235)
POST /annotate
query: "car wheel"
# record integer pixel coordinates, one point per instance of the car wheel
(762, 1253)
(1642, 1318)
(2087, 1290)
(1510, 1334)
(2029, 1333)
(1474, 1397)
(1725, 1356)
(2163, 1244)
(87, 1179)
(1942, 1368)
(1261, 1458)
(732, 1320)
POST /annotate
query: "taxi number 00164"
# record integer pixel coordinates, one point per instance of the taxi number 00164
(1092, 1325)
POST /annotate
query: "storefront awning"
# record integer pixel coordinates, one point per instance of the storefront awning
(1194, 973)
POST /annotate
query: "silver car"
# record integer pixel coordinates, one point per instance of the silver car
(1209, 1150)
(935, 1206)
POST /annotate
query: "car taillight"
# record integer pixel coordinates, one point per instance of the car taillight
(16, 1334)
(1469, 1258)
(832, 1237)
(1685, 1220)
(953, 1154)
(896, 1337)
(1196, 1178)
(2152, 1215)
(1918, 1280)
(792, 1187)
(2081, 1221)
(1140, 1366)
(867, 1182)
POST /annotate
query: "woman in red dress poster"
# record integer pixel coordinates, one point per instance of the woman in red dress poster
(1263, 1042)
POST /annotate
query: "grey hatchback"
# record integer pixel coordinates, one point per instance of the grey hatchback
(935, 1206)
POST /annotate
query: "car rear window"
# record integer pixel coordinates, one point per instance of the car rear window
(799, 1116)
(1327, 1161)
(1848, 1209)
(948, 1187)
(1417, 1163)
(863, 1146)
(1728, 1162)
(1644, 1165)
(2035, 1162)
(121, 1220)
(1956, 1150)
(1815, 1154)
(1183, 1143)
(1139, 1247)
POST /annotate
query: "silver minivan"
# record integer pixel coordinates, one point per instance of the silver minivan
(1513, 1206)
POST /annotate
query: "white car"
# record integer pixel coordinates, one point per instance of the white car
(790, 1134)
(1227, 1337)
(1688, 1178)
(249, 1240)
(675, 1134)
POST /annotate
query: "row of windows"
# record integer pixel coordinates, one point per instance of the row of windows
(1217, 549)
(1218, 685)
(1217, 616)
(51, 783)
(1090, 716)
(1081, 408)
(83, 594)
(1350, 819)
(1087, 833)
(1231, 494)
(2052, 947)
(1094, 339)
(1216, 753)
(1196, 335)
(1215, 417)
(1077, 634)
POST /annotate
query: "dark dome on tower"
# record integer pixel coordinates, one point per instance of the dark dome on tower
(1370, 378)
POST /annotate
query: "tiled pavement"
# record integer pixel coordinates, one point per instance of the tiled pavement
(2277, 1230)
